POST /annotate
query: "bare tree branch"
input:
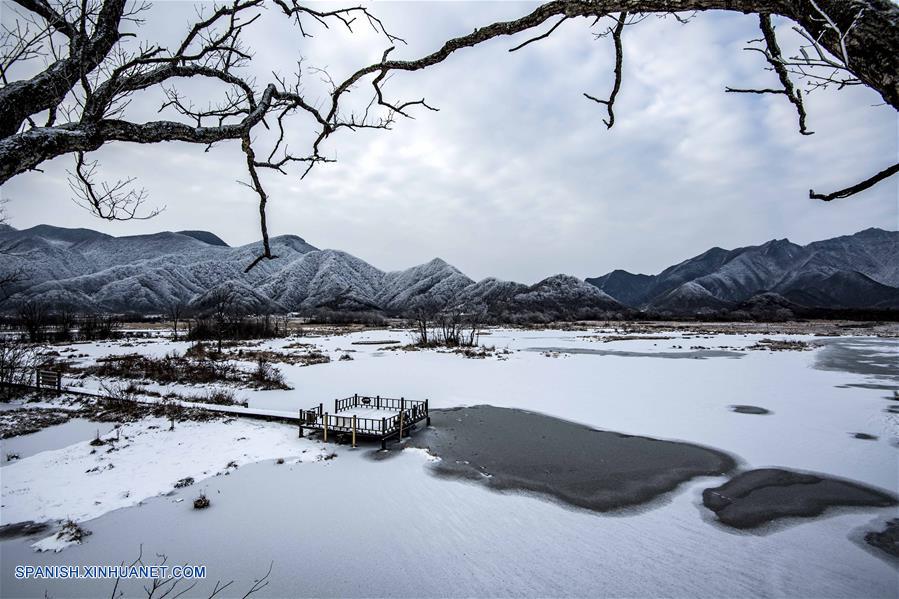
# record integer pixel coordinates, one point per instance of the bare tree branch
(541, 36)
(118, 201)
(858, 187)
(775, 59)
(166, 586)
(619, 58)
(256, 185)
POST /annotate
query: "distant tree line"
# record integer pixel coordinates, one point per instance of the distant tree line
(221, 316)
(38, 322)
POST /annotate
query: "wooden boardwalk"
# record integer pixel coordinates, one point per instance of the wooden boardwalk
(45, 383)
(358, 416)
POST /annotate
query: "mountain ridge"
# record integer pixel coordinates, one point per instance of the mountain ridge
(85, 270)
(847, 272)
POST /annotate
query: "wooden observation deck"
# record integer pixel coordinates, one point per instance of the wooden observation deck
(367, 417)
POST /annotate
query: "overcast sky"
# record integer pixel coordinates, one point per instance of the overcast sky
(516, 176)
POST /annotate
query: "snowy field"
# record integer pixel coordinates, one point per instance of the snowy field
(346, 524)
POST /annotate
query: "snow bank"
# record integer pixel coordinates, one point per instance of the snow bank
(81, 482)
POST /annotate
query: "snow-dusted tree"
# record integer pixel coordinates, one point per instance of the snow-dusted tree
(33, 316)
(68, 69)
(221, 310)
(423, 314)
(176, 312)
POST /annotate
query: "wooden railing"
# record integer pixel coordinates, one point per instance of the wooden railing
(363, 426)
(377, 402)
(408, 412)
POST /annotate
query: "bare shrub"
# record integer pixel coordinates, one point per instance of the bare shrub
(222, 397)
(17, 365)
(71, 531)
(267, 376)
(171, 368)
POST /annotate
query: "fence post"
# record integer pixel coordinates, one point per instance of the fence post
(383, 430)
(402, 413)
(325, 427)
(354, 430)
(378, 401)
(320, 409)
(335, 406)
(301, 424)
(356, 400)
(427, 413)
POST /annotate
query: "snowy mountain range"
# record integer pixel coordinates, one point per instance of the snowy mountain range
(850, 272)
(88, 271)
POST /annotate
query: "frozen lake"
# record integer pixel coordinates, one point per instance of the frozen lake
(357, 527)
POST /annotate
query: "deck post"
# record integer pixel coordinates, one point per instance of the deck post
(354, 430)
(356, 400)
(325, 427)
(402, 413)
(378, 401)
(427, 413)
(320, 409)
(301, 424)
(335, 406)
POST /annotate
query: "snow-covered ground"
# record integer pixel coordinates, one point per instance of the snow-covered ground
(352, 526)
(82, 482)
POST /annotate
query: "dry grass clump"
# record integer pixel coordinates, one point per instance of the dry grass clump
(305, 358)
(171, 368)
(72, 532)
(780, 345)
(185, 370)
(219, 397)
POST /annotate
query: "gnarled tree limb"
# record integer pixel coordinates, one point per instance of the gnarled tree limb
(854, 189)
(775, 58)
(619, 59)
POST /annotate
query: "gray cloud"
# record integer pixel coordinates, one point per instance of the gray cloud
(516, 176)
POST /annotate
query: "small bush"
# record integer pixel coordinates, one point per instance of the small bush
(71, 531)
(220, 397)
(184, 482)
(267, 376)
(171, 368)
(201, 502)
(197, 350)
